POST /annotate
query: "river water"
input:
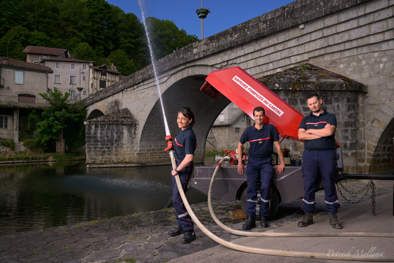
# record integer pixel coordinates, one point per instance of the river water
(38, 196)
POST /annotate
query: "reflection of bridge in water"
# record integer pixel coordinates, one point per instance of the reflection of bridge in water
(347, 38)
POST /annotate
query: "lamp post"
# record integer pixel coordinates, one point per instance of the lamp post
(202, 13)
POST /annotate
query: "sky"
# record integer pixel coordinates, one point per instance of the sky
(224, 13)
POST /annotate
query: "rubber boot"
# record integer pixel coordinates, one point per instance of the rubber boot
(188, 237)
(250, 223)
(176, 231)
(264, 222)
(334, 222)
(306, 220)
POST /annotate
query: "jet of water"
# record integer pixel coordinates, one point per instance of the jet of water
(154, 66)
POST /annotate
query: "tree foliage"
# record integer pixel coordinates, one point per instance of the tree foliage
(57, 118)
(90, 29)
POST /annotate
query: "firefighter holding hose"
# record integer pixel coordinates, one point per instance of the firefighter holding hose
(184, 146)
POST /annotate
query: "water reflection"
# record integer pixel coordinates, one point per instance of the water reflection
(40, 196)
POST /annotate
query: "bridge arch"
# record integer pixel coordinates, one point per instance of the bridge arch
(184, 92)
(382, 158)
(95, 114)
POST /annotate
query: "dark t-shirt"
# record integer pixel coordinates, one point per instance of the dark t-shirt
(260, 140)
(319, 122)
(185, 143)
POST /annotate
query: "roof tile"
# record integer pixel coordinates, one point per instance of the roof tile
(23, 64)
(44, 50)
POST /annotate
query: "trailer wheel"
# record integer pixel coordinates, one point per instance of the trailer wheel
(274, 204)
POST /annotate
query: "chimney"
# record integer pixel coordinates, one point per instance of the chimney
(113, 67)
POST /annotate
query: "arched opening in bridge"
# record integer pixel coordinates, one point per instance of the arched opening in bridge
(95, 114)
(382, 159)
(185, 92)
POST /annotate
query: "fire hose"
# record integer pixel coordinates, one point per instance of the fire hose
(273, 252)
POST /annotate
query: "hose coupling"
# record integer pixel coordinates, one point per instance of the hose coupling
(170, 146)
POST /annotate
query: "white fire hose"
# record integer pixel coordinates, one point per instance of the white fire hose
(273, 252)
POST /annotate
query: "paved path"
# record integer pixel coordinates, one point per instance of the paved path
(143, 237)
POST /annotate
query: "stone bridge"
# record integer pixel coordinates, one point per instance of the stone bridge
(352, 38)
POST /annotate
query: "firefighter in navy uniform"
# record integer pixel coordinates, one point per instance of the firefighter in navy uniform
(262, 137)
(318, 130)
(184, 146)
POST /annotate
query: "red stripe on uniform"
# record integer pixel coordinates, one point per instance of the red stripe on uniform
(178, 143)
(314, 123)
(263, 139)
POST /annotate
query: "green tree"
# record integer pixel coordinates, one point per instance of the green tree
(39, 39)
(166, 37)
(43, 16)
(102, 29)
(85, 52)
(17, 38)
(74, 19)
(57, 118)
(124, 65)
(11, 15)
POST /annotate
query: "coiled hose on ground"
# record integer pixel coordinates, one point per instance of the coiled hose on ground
(273, 252)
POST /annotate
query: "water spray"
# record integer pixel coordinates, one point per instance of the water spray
(154, 69)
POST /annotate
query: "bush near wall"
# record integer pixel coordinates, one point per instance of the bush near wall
(31, 144)
(8, 143)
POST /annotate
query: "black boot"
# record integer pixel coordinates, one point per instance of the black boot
(176, 231)
(250, 223)
(334, 222)
(264, 222)
(306, 220)
(188, 237)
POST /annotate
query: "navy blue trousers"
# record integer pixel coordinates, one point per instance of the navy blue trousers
(258, 168)
(323, 161)
(182, 217)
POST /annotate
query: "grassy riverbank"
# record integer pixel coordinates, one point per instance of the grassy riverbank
(44, 156)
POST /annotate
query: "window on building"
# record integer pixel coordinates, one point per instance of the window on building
(72, 94)
(18, 77)
(236, 129)
(26, 98)
(57, 79)
(243, 118)
(221, 117)
(83, 77)
(73, 80)
(84, 92)
(102, 84)
(44, 56)
(57, 65)
(84, 66)
(3, 122)
(72, 66)
(103, 72)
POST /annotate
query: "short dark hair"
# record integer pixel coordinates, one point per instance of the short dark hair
(259, 109)
(310, 96)
(187, 112)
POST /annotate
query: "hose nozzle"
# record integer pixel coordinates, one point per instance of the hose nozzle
(169, 143)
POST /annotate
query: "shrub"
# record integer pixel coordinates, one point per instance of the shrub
(8, 143)
(31, 144)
